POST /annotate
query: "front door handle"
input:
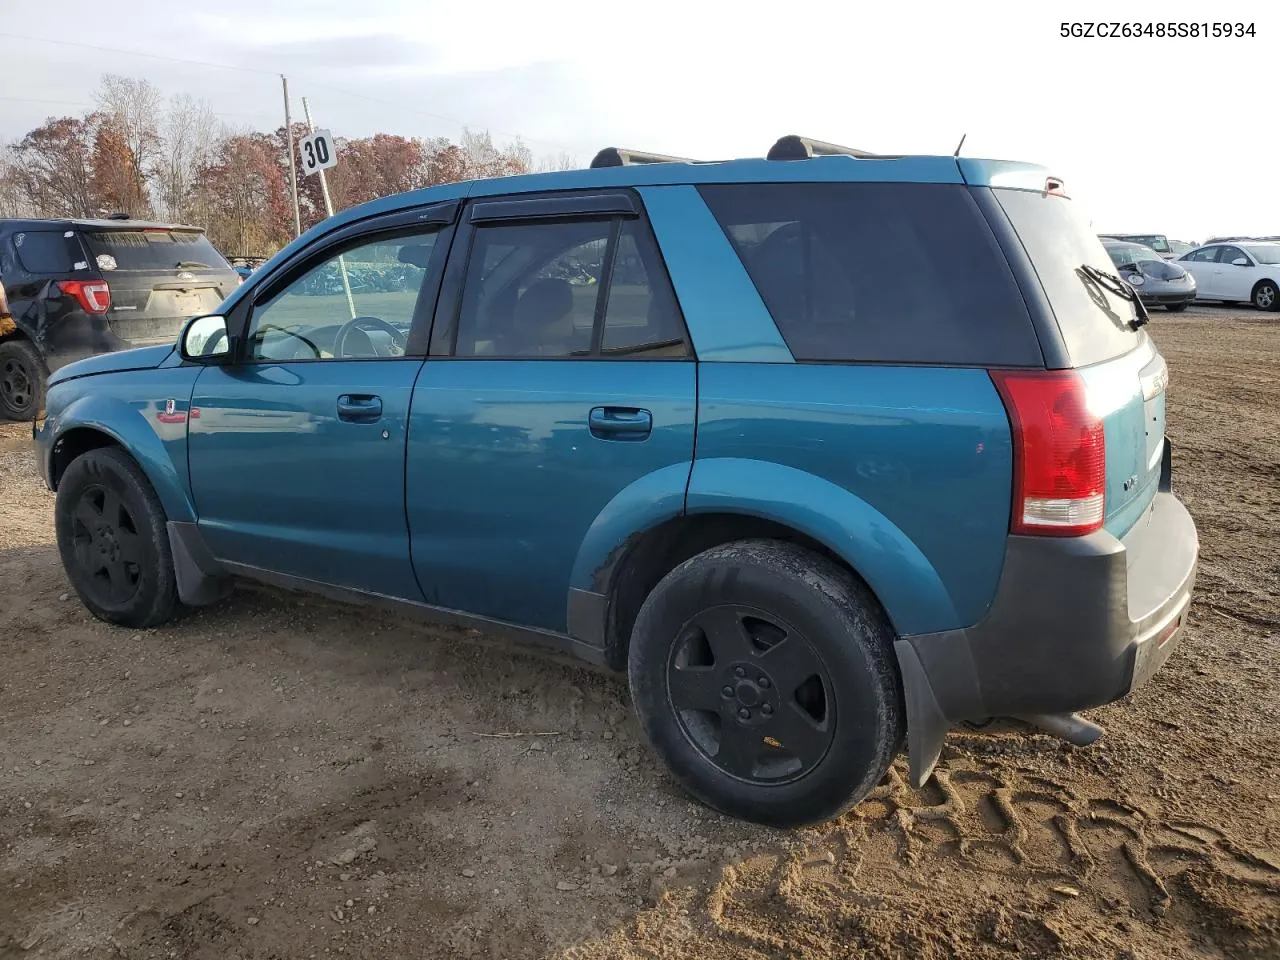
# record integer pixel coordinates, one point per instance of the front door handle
(620, 423)
(359, 408)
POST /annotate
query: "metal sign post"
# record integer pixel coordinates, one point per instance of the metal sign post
(328, 206)
(293, 165)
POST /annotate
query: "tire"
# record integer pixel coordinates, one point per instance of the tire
(113, 540)
(712, 633)
(1266, 296)
(22, 381)
(1175, 307)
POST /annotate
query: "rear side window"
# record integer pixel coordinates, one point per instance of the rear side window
(878, 272)
(48, 251)
(1094, 322)
(161, 251)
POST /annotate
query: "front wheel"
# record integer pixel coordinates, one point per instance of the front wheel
(1175, 307)
(1266, 296)
(114, 541)
(763, 676)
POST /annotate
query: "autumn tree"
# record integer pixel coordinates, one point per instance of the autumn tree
(130, 117)
(52, 168)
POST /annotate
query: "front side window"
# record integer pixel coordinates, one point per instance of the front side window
(584, 288)
(1230, 255)
(1203, 255)
(359, 304)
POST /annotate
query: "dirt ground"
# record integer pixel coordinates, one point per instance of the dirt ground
(278, 778)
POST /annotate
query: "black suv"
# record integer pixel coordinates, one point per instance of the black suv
(81, 287)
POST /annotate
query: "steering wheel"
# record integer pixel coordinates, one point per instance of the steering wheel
(363, 324)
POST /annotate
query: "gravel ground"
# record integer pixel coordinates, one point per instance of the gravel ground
(280, 778)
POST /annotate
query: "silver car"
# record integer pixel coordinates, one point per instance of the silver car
(1159, 282)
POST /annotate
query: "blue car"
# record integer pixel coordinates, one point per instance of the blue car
(834, 453)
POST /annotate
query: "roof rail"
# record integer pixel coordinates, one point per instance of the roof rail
(619, 157)
(792, 147)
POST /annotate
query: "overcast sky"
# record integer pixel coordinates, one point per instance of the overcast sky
(1165, 135)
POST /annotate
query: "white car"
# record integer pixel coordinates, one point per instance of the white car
(1233, 272)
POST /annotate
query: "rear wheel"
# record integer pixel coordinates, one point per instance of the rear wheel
(1175, 307)
(763, 675)
(22, 381)
(113, 540)
(1266, 296)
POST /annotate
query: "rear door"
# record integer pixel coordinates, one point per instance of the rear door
(561, 382)
(1203, 265)
(1124, 373)
(159, 276)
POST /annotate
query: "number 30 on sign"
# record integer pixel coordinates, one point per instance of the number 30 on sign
(317, 152)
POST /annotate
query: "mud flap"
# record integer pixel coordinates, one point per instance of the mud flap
(201, 580)
(926, 726)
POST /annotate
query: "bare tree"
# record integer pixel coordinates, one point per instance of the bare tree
(559, 161)
(190, 135)
(131, 107)
(13, 201)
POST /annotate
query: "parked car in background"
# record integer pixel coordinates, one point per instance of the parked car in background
(1156, 241)
(82, 287)
(910, 505)
(1179, 247)
(1237, 272)
(1159, 282)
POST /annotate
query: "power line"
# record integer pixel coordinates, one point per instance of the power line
(323, 86)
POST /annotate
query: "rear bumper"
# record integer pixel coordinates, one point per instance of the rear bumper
(1076, 623)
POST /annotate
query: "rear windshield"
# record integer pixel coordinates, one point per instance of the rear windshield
(878, 272)
(154, 250)
(1095, 323)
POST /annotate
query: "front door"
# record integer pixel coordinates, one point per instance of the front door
(297, 451)
(1202, 264)
(564, 392)
(1234, 282)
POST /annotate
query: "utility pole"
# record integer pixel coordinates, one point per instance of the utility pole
(293, 165)
(328, 207)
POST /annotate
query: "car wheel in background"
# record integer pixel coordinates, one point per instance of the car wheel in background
(113, 540)
(1266, 296)
(764, 676)
(22, 381)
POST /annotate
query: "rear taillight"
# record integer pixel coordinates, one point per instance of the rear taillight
(94, 296)
(1059, 453)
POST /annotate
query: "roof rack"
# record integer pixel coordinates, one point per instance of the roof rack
(618, 157)
(793, 147)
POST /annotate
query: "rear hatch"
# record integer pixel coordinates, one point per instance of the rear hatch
(159, 277)
(1124, 374)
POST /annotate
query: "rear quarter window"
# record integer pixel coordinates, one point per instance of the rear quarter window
(878, 272)
(48, 251)
(1095, 324)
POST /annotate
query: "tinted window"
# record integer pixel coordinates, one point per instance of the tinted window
(540, 289)
(154, 250)
(895, 273)
(1094, 322)
(377, 282)
(49, 251)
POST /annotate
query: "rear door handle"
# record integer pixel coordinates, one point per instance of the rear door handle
(359, 408)
(620, 423)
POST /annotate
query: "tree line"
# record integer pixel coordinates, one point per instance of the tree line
(171, 159)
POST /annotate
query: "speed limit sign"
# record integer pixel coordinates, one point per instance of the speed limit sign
(317, 152)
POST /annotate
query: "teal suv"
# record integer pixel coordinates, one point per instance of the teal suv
(829, 451)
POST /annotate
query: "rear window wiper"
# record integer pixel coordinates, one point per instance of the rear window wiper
(193, 263)
(1113, 284)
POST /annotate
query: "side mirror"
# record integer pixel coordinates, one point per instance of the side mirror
(205, 340)
(1239, 262)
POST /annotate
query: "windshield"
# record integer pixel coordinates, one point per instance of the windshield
(156, 250)
(1155, 241)
(1131, 253)
(1265, 252)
